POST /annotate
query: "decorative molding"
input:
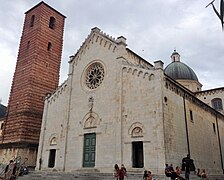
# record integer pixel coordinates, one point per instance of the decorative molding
(51, 98)
(99, 37)
(91, 100)
(138, 72)
(137, 60)
(130, 142)
(94, 75)
(53, 140)
(209, 92)
(136, 130)
(91, 119)
(111, 44)
(179, 90)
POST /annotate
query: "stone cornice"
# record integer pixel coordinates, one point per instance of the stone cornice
(210, 91)
(18, 145)
(188, 95)
(137, 60)
(139, 72)
(57, 93)
(96, 36)
(111, 44)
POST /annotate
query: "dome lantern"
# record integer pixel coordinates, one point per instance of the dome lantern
(182, 73)
(175, 56)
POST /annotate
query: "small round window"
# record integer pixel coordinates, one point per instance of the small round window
(94, 75)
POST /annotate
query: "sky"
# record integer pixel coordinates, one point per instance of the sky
(153, 30)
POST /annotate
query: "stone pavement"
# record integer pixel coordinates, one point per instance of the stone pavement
(39, 175)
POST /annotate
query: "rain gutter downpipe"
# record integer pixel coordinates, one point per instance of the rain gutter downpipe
(185, 118)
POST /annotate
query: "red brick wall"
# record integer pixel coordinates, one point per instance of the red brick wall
(36, 74)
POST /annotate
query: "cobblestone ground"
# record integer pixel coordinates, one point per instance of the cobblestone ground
(95, 176)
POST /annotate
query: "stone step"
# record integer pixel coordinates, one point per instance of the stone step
(96, 176)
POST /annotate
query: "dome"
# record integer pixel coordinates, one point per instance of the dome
(178, 70)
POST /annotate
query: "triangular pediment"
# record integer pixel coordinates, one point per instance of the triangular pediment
(109, 43)
(98, 37)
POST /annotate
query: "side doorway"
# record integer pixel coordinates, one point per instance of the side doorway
(51, 160)
(137, 154)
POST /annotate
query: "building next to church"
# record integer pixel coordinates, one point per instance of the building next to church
(2, 116)
(116, 107)
(36, 74)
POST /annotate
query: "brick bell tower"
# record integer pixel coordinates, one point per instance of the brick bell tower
(36, 74)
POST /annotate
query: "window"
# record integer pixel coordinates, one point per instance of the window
(51, 161)
(191, 115)
(32, 21)
(28, 45)
(94, 75)
(2, 126)
(49, 46)
(217, 104)
(214, 128)
(52, 22)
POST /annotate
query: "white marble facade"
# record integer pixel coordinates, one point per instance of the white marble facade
(115, 107)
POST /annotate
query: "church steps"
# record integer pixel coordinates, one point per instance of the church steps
(97, 176)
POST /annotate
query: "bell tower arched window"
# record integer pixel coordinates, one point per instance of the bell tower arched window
(49, 46)
(52, 22)
(32, 21)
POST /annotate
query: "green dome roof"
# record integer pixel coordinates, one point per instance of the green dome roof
(178, 70)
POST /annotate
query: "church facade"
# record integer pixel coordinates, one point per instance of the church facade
(115, 107)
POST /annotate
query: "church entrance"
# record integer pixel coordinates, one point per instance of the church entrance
(137, 154)
(89, 150)
(51, 160)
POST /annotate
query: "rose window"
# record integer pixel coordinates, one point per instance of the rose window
(94, 75)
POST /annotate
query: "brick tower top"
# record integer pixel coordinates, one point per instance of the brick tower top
(36, 74)
(42, 2)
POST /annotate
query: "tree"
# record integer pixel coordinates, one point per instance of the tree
(219, 14)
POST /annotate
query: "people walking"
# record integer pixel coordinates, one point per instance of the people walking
(10, 171)
(202, 174)
(122, 172)
(149, 177)
(169, 171)
(178, 173)
(145, 175)
(116, 171)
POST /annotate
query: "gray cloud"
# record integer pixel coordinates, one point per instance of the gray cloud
(152, 28)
